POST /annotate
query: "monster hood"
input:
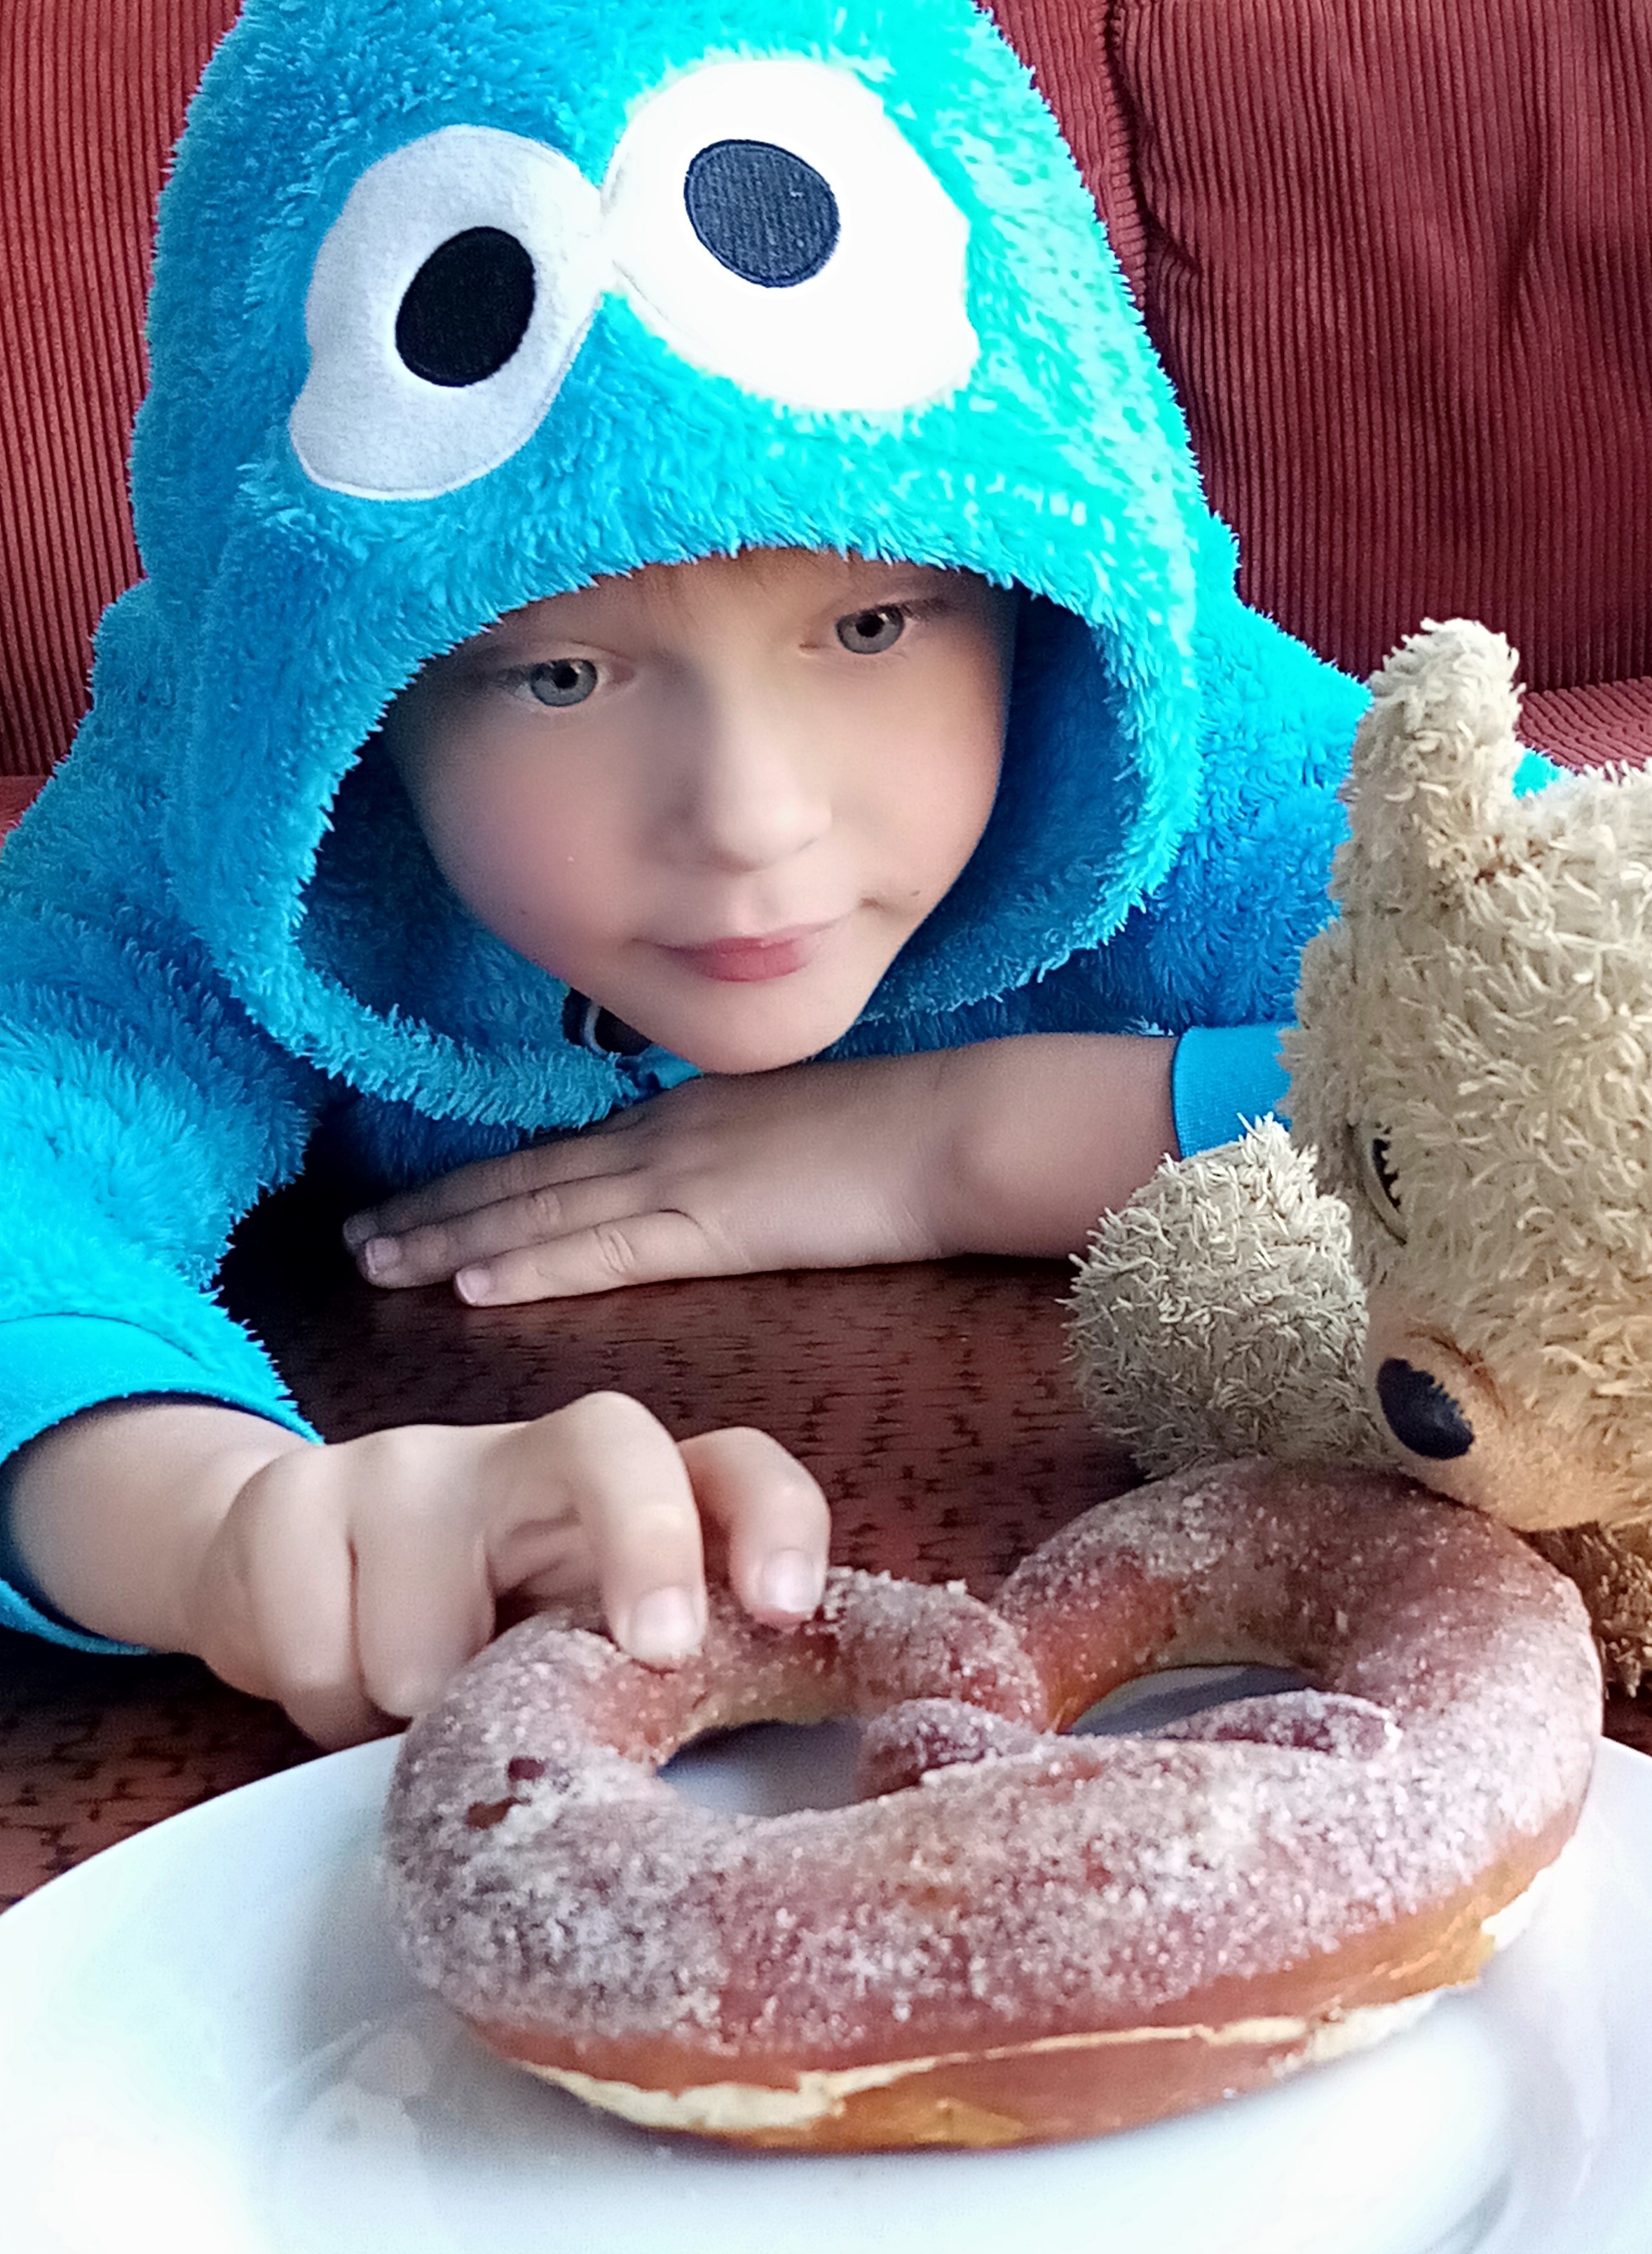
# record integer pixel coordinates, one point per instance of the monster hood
(455, 308)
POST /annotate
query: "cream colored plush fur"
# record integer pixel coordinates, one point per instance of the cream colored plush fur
(1472, 1079)
(1219, 1314)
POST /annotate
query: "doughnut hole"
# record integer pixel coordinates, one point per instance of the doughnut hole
(775, 1769)
(770, 1769)
(1142, 1708)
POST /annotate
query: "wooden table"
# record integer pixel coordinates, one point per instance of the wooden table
(932, 1402)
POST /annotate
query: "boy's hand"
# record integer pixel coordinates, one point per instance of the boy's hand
(831, 1166)
(350, 1582)
(1011, 1147)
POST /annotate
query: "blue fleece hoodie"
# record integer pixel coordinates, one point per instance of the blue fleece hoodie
(457, 307)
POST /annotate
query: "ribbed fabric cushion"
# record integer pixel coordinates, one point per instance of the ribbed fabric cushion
(15, 791)
(1399, 265)
(1593, 727)
(92, 96)
(1394, 253)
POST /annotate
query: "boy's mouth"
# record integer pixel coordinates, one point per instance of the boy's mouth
(745, 962)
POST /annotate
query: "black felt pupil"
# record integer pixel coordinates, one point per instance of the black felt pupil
(467, 309)
(762, 211)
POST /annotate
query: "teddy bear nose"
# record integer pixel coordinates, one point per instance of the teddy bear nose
(1421, 1414)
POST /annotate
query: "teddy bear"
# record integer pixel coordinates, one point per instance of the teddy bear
(1447, 1261)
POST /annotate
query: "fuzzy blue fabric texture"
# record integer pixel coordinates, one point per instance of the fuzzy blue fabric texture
(457, 308)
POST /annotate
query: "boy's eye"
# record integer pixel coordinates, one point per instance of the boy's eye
(868, 632)
(565, 680)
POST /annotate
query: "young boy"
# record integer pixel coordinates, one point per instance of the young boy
(678, 607)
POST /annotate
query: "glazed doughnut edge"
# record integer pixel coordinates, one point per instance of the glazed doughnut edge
(1058, 2087)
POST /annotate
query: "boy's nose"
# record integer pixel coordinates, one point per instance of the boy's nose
(755, 796)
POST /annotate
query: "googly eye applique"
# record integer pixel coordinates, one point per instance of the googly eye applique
(446, 300)
(772, 224)
(768, 220)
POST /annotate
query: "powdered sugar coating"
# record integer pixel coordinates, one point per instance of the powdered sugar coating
(903, 1745)
(544, 1879)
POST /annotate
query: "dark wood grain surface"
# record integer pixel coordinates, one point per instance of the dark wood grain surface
(933, 1404)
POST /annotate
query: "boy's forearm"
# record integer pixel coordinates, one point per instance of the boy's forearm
(1046, 1132)
(113, 1511)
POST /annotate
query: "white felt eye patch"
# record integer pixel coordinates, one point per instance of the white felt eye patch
(446, 300)
(772, 224)
(766, 220)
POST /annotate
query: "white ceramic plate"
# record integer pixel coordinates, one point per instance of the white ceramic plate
(206, 2047)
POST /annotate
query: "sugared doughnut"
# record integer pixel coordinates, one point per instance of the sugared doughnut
(1024, 1935)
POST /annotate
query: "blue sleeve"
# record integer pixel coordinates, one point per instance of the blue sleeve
(141, 1113)
(1217, 943)
(1222, 1078)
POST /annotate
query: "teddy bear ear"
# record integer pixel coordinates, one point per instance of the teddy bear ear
(1432, 776)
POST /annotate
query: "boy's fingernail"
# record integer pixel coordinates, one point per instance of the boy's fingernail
(663, 1625)
(416, 1695)
(790, 1582)
(379, 1255)
(358, 1230)
(472, 1284)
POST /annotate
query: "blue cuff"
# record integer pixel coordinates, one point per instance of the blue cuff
(51, 1366)
(657, 1069)
(1222, 1078)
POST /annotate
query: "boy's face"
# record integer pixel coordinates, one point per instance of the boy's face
(717, 797)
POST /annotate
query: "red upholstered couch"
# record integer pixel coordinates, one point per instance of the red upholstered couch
(1397, 254)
